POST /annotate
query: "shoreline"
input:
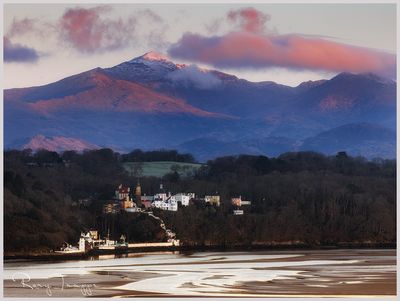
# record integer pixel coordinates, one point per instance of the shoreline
(43, 256)
(323, 273)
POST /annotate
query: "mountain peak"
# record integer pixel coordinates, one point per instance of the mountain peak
(154, 56)
(377, 78)
(365, 76)
(310, 84)
(149, 67)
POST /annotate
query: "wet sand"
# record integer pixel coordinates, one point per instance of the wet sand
(327, 273)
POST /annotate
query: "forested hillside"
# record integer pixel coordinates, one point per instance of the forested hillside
(297, 198)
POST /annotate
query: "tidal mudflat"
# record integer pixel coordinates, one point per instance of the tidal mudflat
(313, 273)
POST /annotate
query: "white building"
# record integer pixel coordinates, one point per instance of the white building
(88, 241)
(172, 205)
(183, 198)
(82, 244)
(160, 196)
(191, 195)
(158, 203)
(169, 204)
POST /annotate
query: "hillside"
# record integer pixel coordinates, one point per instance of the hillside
(357, 139)
(160, 169)
(151, 102)
(297, 197)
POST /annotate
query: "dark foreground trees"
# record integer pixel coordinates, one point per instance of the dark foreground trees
(305, 197)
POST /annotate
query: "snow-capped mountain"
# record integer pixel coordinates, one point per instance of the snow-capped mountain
(150, 67)
(152, 102)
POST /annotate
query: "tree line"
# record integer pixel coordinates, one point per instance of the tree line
(300, 197)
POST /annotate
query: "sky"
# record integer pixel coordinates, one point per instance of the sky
(285, 43)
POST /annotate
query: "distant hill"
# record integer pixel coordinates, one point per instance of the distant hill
(349, 98)
(58, 144)
(161, 168)
(364, 139)
(209, 148)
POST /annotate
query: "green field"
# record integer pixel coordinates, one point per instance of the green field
(161, 168)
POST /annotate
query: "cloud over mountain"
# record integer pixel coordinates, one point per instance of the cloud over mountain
(251, 46)
(193, 75)
(151, 102)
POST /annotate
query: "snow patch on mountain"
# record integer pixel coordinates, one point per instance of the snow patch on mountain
(150, 67)
(58, 144)
(155, 56)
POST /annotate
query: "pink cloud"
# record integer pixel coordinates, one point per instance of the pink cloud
(250, 46)
(20, 27)
(88, 30)
(249, 19)
(31, 27)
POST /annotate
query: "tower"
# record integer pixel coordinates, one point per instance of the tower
(138, 195)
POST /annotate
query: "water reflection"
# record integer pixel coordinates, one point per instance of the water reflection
(130, 255)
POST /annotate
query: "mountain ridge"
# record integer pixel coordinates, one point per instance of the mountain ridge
(152, 102)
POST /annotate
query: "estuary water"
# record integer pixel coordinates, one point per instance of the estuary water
(294, 273)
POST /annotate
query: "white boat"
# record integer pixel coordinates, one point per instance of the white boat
(69, 250)
(77, 251)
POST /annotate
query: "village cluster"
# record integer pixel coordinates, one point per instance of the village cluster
(134, 201)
